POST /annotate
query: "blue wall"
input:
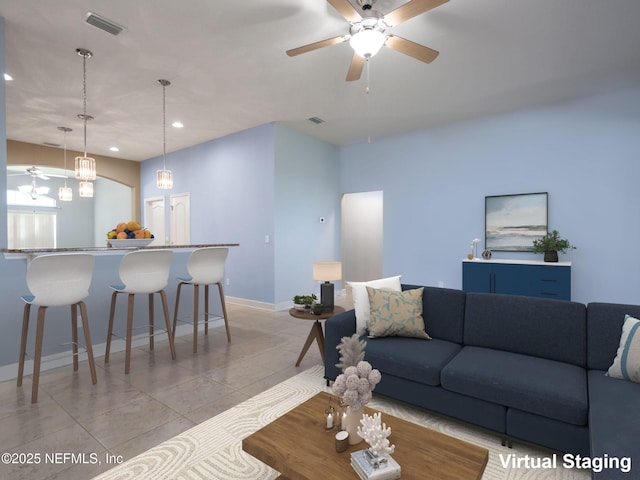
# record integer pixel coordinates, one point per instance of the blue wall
(307, 187)
(585, 153)
(231, 183)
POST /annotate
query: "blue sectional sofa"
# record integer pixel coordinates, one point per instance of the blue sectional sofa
(528, 368)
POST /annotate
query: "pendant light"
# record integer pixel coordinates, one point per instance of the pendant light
(165, 177)
(65, 194)
(85, 166)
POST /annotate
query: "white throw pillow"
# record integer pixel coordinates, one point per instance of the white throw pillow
(361, 298)
(626, 365)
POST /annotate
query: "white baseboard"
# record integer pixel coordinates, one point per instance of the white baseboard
(49, 362)
(250, 303)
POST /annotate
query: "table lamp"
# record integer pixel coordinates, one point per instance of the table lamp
(326, 272)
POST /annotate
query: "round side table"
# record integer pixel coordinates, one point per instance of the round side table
(316, 329)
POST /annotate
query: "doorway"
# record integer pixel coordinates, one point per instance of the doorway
(154, 219)
(362, 236)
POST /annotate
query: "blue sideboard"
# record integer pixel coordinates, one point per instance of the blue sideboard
(513, 277)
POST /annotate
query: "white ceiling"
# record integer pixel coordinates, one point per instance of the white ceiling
(229, 72)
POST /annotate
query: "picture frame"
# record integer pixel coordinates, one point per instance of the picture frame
(513, 222)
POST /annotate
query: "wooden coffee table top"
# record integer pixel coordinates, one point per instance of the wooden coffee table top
(298, 446)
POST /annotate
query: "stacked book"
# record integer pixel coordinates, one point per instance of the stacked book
(369, 467)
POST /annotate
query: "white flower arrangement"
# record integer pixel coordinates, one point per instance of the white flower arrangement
(356, 383)
(376, 434)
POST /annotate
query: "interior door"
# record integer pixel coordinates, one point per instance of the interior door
(154, 211)
(180, 219)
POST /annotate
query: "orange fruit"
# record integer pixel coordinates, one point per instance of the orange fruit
(139, 234)
(122, 236)
(121, 227)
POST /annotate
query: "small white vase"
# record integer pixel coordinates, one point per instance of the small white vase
(353, 422)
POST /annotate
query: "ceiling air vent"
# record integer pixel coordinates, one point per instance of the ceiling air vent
(103, 24)
(316, 120)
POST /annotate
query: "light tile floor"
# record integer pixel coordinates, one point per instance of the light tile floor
(124, 415)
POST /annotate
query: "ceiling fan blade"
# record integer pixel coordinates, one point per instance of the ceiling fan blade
(415, 50)
(345, 9)
(411, 9)
(355, 69)
(316, 45)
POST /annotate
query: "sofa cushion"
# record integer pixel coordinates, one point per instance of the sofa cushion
(604, 324)
(361, 298)
(396, 313)
(442, 311)
(626, 365)
(410, 358)
(551, 329)
(537, 385)
(614, 422)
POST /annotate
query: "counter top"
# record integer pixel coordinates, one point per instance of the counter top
(31, 252)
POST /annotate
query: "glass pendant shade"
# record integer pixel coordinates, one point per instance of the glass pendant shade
(65, 194)
(85, 189)
(366, 43)
(165, 179)
(85, 168)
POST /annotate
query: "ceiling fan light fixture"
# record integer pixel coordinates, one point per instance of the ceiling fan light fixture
(367, 42)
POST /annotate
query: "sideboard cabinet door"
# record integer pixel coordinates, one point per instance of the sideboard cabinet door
(533, 279)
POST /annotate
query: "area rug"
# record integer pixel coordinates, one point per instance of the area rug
(213, 449)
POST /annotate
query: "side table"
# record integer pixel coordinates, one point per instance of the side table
(316, 329)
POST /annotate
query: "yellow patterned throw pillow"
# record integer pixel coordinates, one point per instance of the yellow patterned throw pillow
(396, 313)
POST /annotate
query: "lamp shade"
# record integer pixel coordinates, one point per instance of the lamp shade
(85, 189)
(327, 271)
(165, 179)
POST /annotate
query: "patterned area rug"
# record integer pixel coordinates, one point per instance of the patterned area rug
(213, 449)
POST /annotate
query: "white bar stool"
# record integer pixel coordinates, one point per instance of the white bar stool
(205, 267)
(56, 280)
(146, 272)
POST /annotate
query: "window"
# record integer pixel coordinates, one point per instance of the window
(31, 229)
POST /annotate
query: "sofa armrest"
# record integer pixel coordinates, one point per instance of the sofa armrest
(336, 327)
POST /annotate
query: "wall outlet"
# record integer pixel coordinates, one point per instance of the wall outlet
(228, 282)
(266, 239)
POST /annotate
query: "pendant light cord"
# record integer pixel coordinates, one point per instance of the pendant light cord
(164, 127)
(84, 100)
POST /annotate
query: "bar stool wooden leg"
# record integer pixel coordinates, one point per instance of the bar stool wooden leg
(23, 342)
(38, 354)
(195, 316)
(74, 335)
(112, 312)
(165, 307)
(151, 321)
(175, 311)
(206, 310)
(87, 341)
(127, 357)
(224, 311)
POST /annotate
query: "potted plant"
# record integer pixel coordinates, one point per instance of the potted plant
(304, 302)
(550, 245)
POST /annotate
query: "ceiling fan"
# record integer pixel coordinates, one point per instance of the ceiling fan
(367, 33)
(35, 172)
(33, 190)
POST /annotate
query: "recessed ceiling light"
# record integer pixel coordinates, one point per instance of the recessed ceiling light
(8, 77)
(177, 125)
(114, 149)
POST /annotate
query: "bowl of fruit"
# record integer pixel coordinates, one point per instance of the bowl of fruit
(129, 234)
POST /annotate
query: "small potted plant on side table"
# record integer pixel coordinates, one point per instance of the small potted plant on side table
(550, 245)
(304, 302)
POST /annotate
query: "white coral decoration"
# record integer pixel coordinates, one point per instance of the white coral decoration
(376, 434)
(356, 383)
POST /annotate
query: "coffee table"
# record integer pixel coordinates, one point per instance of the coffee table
(316, 329)
(298, 446)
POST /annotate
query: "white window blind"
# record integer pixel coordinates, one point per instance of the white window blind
(31, 229)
